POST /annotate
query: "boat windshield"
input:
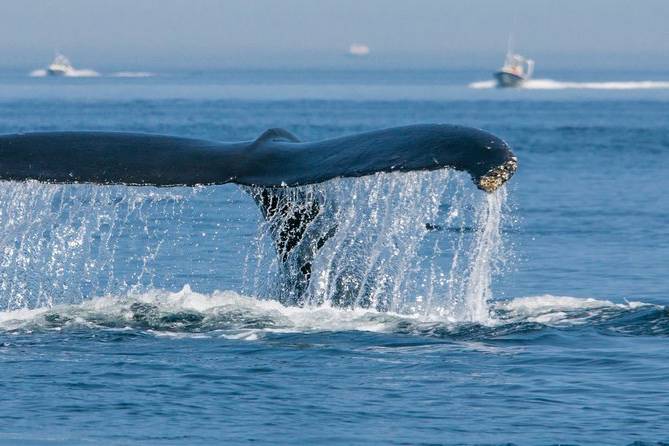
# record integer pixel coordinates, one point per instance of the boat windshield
(517, 64)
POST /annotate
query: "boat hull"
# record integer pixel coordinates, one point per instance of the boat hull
(56, 72)
(508, 80)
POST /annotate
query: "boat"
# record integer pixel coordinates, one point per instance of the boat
(515, 71)
(60, 66)
(358, 49)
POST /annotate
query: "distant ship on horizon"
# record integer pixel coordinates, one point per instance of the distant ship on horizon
(358, 49)
(515, 71)
(61, 66)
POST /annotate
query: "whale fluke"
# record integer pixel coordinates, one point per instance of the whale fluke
(267, 167)
(274, 159)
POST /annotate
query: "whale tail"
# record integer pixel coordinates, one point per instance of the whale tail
(272, 168)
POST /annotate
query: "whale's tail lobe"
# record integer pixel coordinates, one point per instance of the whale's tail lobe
(275, 159)
(267, 166)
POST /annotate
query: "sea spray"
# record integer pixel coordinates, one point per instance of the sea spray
(59, 243)
(486, 251)
(372, 260)
(420, 243)
(393, 232)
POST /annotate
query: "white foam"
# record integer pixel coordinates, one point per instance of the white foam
(15, 318)
(549, 310)
(226, 312)
(38, 73)
(233, 316)
(138, 74)
(548, 302)
(71, 73)
(483, 85)
(550, 84)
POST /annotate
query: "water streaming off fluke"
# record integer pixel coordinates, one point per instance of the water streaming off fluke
(64, 244)
(375, 241)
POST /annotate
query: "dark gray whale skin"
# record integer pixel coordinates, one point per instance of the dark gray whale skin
(275, 159)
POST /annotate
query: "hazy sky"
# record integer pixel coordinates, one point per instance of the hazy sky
(226, 33)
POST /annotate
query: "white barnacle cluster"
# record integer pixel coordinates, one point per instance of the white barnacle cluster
(498, 175)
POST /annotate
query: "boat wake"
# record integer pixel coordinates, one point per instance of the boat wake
(137, 74)
(71, 73)
(228, 314)
(550, 84)
(91, 73)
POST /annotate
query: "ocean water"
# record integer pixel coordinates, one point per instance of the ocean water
(535, 315)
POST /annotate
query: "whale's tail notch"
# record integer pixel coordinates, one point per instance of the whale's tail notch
(276, 134)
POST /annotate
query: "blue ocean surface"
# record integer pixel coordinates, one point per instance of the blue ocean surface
(536, 315)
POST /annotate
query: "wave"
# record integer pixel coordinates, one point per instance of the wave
(550, 84)
(228, 314)
(72, 73)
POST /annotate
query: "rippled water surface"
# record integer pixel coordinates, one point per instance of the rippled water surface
(538, 315)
